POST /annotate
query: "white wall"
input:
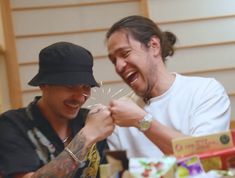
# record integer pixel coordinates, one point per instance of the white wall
(205, 47)
(38, 23)
(206, 38)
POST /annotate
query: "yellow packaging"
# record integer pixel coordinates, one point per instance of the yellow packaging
(194, 145)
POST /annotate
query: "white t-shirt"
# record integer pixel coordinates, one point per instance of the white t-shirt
(192, 105)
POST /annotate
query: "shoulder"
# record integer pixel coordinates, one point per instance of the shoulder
(12, 115)
(206, 92)
(193, 79)
(200, 83)
(13, 121)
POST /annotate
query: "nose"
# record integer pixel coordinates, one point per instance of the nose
(81, 95)
(120, 65)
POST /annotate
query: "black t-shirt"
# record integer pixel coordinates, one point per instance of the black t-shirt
(20, 150)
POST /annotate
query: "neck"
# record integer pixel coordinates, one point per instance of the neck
(163, 83)
(61, 126)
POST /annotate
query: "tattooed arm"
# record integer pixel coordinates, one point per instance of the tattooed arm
(99, 125)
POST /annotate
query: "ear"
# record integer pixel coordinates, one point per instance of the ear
(155, 45)
(42, 86)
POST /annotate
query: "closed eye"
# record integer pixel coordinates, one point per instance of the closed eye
(125, 54)
(122, 53)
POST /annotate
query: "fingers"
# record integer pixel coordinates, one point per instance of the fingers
(99, 114)
(113, 106)
(97, 108)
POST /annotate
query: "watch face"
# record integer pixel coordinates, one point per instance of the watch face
(144, 125)
(146, 122)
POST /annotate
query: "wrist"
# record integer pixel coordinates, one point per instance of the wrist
(79, 147)
(145, 123)
(90, 138)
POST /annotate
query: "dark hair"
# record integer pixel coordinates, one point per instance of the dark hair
(142, 29)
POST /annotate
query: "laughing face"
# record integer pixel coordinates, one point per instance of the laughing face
(134, 62)
(64, 102)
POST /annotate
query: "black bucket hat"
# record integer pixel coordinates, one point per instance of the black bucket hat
(64, 63)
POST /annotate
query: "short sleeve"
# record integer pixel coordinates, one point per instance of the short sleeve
(212, 110)
(17, 154)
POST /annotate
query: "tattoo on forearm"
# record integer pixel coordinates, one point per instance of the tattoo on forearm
(63, 165)
(78, 146)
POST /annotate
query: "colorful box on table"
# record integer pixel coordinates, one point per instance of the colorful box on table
(152, 168)
(137, 167)
(216, 151)
(189, 167)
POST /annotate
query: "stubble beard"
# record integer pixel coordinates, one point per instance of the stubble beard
(150, 85)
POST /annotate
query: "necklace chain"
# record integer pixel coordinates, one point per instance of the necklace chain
(66, 139)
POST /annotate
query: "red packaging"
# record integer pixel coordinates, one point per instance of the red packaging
(217, 159)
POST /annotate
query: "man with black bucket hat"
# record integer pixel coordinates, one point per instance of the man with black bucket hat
(53, 136)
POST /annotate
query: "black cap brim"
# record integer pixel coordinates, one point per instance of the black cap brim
(64, 78)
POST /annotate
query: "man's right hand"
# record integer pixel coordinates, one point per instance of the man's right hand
(99, 124)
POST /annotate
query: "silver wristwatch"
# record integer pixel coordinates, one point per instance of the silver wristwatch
(145, 123)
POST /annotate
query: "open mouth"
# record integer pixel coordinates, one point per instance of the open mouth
(131, 77)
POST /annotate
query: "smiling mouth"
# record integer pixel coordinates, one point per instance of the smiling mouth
(131, 77)
(72, 105)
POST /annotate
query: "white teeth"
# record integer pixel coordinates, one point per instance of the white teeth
(133, 81)
(129, 74)
(73, 106)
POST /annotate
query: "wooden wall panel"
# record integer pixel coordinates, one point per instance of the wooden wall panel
(203, 32)
(226, 77)
(28, 48)
(27, 72)
(40, 23)
(2, 41)
(176, 10)
(76, 18)
(206, 41)
(12, 68)
(202, 58)
(4, 89)
(42, 3)
(104, 70)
